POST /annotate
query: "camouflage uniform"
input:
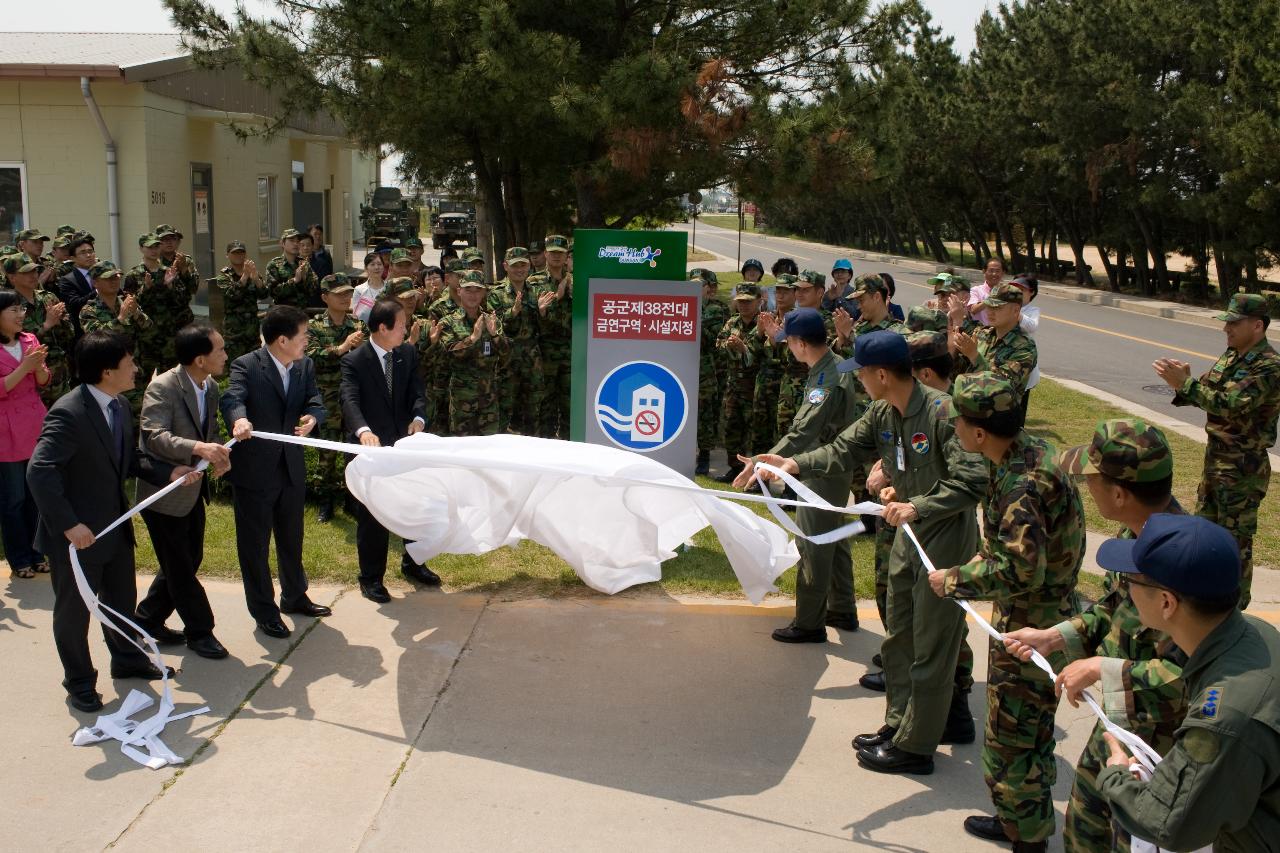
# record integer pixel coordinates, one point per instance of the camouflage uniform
(740, 380)
(1033, 545)
(764, 401)
(794, 373)
(473, 379)
(1240, 396)
(328, 482)
(169, 307)
(521, 394)
(58, 339)
(710, 373)
(284, 290)
(1011, 357)
(923, 319)
(1141, 684)
(241, 328)
(95, 315)
(556, 345)
(438, 367)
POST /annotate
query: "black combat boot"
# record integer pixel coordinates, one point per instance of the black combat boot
(703, 466)
(326, 510)
(960, 727)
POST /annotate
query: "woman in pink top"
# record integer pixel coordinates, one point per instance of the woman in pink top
(22, 414)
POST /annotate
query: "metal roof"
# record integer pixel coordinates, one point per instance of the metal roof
(87, 54)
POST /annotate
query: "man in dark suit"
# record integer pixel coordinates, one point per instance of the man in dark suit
(273, 389)
(76, 476)
(180, 427)
(76, 287)
(383, 399)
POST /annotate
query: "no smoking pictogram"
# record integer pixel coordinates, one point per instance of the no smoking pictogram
(648, 422)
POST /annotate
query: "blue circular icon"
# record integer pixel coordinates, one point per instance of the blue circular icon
(641, 406)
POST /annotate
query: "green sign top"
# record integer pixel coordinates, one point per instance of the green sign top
(600, 253)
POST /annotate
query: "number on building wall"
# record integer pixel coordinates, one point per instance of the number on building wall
(157, 197)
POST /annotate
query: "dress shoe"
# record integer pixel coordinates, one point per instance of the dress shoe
(86, 700)
(274, 628)
(421, 574)
(873, 681)
(208, 647)
(306, 607)
(163, 635)
(877, 661)
(887, 758)
(325, 515)
(730, 475)
(871, 741)
(843, 621)
(960, 728)
(146, 671)
(375, 592)
(985, 826)
(703, 464)
(792, 634)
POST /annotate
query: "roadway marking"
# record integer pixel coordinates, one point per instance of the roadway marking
(1131, 337)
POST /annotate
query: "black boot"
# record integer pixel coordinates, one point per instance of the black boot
(732, 474)
(960, 727)
(1030, 846)
(985, 826)
(326, 510)
(703, 465)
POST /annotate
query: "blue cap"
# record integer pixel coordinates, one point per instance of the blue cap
(1186, 553)
(752, 262)
(802, 323)
(842, 264)
(877, 349)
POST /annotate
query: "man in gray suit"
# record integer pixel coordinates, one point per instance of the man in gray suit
(180, 427)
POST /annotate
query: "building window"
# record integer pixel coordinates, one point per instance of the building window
(13, 200)
(268, 224)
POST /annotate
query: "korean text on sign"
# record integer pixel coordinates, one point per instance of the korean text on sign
(644, 318)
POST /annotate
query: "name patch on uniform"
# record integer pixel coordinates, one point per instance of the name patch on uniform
(920, 443)
(817, 395)
(1211, 700)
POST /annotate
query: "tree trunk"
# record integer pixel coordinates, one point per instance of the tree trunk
(590, 207)
(1143, 270)
(1159, 278)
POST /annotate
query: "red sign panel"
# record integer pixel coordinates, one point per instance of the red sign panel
(644, 317)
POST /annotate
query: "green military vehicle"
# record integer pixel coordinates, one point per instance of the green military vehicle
(453, 221)
(389, 216)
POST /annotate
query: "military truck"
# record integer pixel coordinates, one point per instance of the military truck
(388, 215)
(453, 221)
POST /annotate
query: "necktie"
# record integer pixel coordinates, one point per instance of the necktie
(117, 428)
(386, 370)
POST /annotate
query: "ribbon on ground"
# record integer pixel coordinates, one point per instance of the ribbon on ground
(139, 740)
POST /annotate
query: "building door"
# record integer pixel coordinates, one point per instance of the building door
(202, 246)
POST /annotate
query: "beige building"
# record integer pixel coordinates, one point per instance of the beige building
(117, 133)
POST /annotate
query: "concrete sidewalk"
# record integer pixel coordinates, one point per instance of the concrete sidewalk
(455, 721)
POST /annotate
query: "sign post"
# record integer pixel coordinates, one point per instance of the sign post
(636, 328)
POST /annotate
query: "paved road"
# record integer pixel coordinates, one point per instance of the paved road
(1104, 347)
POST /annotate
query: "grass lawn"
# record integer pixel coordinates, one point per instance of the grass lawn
(730, 221)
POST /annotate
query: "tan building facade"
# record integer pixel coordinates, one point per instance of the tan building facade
(178, 159)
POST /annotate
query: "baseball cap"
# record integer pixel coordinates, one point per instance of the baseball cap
(399, 285)
(286, 234)
(338, 282)
(63, 242)
(1003, 294)
(1185, 553)
(752, 262)
(18, 263)
(148, 241)
(454, 265)
(923, 319)
(958, 282)
(413, 243)
(746, 290)
(1244, 305)
(842, 264)
(869, 283)
(1126, 449)
(29, 234)
(386, 247)
(64, 230)
(473, 278)
(979, 395)
(927, 345)
(802, 323)
(170, 231)
(706, 275)
(938, 278)
(812, 277)
(537, 245)
(517, 255)
(236, 246)
(401, 256)
(557, 243)
(472, 254)
(104, 269)
(786, 281)
(881, 348)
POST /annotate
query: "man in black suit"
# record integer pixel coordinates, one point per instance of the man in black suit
(273, 389)
(77, 472)
(383, 399)
(76, 287)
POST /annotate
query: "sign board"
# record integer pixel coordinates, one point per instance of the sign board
(202, 211)
(635, 344)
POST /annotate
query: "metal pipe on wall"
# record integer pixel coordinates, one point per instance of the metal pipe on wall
(113, 192)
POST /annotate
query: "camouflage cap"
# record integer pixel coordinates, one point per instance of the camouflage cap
(286, 234)
(18, 263)
(980, 395)
(236, 246)
(786, 281)
(1127, 449)
(1004, 294)
(473, 278)
(924, 319)
(812, 277)
(938, 278)
(454, 265)
(537, 246)
(63, 242)
(557, 243)
(517, 255)
(958, 283)
(29, 234)
(163, 231)
(400, 285)
(104, 269)
(413, 243)
(1244, 305)
(64, 230)
(401, 256)
(82, 237)
(925, 346)
(705, 275)
(338, 282)
(472, 254)
(148, 241)
(746, 290)
(868, 283)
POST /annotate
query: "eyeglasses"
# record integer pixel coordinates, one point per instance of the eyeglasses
(1133, 582)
